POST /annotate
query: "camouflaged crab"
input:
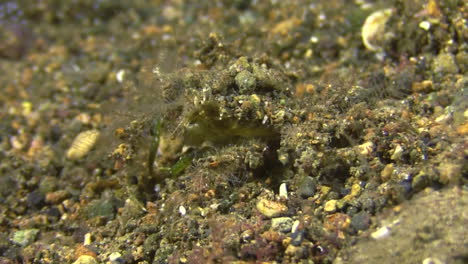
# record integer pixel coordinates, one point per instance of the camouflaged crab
(215, 108)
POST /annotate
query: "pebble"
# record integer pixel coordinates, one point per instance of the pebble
(461, 58)
(247, 235)
(330, 206)
(445, 63)
(25, 237)
(5, 242)
(366, 148)
(297, 238)
(271, 209)
(387, 172)
(432, 261)
(283, 157)
(85, 259)
(355, 191)
(462, 130)
(271, 235)
(57, 196)
(116, 258)
(282, 224)
(421, 181)
(87, 250)
(426, 25)
(284, 27)
(307, 187)
(35, 200)
(294, 251)
(96, 72)
(361, 220)
(132, 209)
(16, 39)
(87, 239)
(397, 153)
(337, 223)
(425, 86)
(102, 208)
(246, 81)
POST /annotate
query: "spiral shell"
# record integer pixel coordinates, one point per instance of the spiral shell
(82, 144)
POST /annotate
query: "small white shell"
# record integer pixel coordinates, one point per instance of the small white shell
(120, 76)
(82, 144)
(87, 239)
(283, 191)
(382, 232)
(295, 226)
(373, 30)
(182, 210)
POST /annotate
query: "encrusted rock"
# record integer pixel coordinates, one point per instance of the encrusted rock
(270, 208)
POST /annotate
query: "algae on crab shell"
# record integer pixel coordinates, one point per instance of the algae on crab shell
(205, 125)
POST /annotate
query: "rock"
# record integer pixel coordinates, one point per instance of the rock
(387, 172)
(25, 237)
(337, 223)
(7, 184)
(445, 63)
(432, 261)
(85, 259)
(270, 208)
(57, 196)
(116, 258)
(35, 200)
(132, 209)
(421, 181)
(246, 81)
(462, 60)
(429, 226)
(330, 206)
(16, 40)
(271, 235)
(307, 187)
(5, 243)
(84, 250)
(48, 184)
(361, 221)
(366, 148)
(294, 251)
(96, 72)
(102, 208)
(297, 237)
(450, 172)
(397, 153)
(422, 87)
(247, 235)
(355, 192)
(282, 224)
